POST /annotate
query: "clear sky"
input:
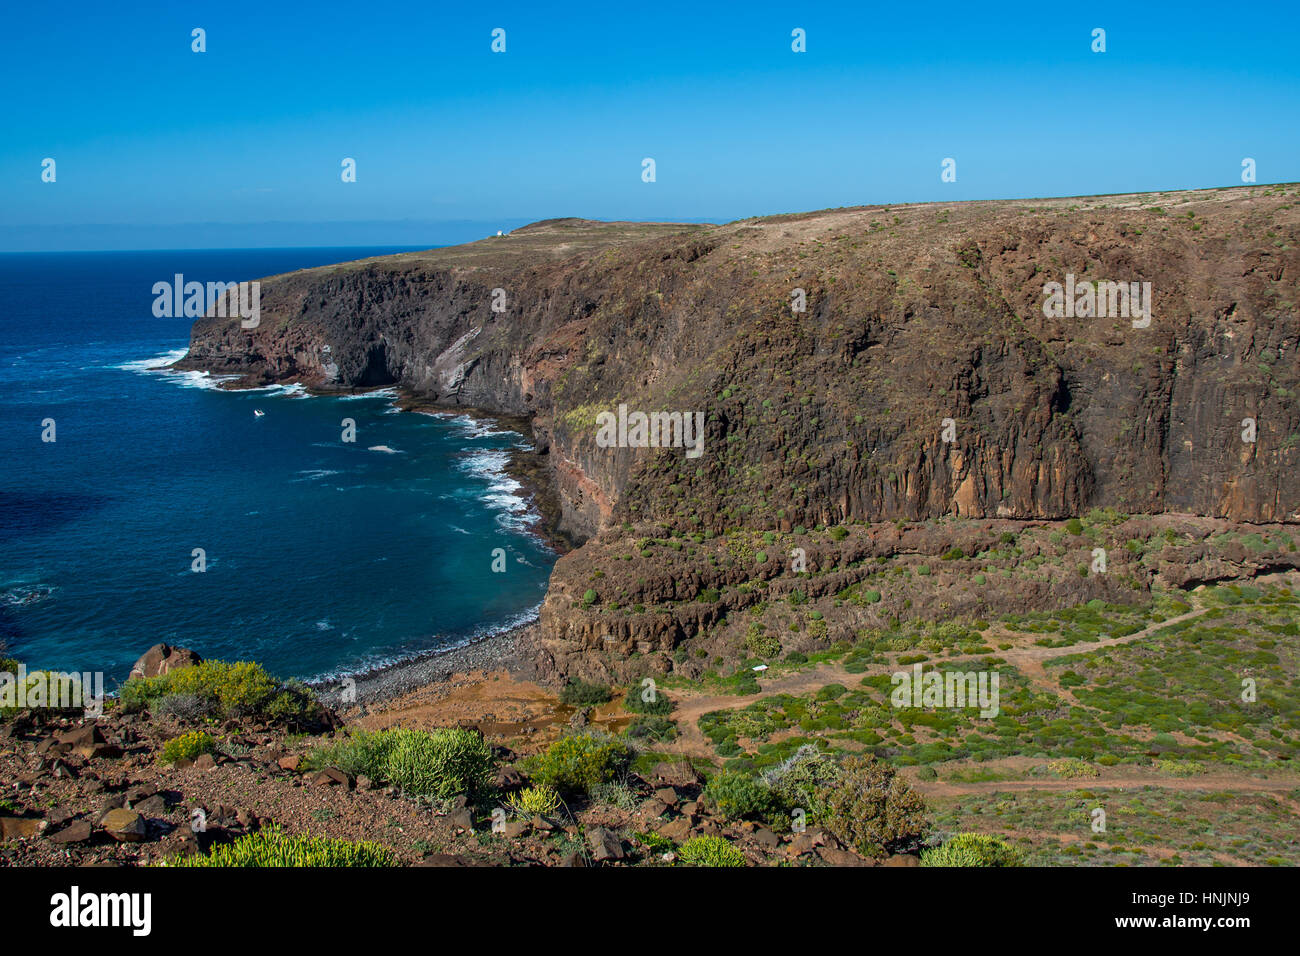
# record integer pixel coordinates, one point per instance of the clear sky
(247, 139)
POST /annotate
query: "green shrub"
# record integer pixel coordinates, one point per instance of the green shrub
(871, 808)
(51, 690)
(532, 801)
(1073, 769)
(761, 644)
(654, 843)
(187, 747)
(241, 689)
(871, 597)
(972, 849)
(362, 753)
(444, 763)
(710, 851)
(580, 762)
(1074, 526)
(738, 795)
(1180, 768)
(589, 597)
(273, 847)
(581, 693)
(652, 728)
(660, 705)
(798, 781)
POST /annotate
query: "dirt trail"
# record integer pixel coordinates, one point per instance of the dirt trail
(692, 705)
(1029, 660)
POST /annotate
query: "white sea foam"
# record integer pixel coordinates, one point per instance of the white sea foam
(153, 364)
(502, 494)
(479, 428)
(161, 365)
(25, 595)
(370, 665)
(386, 450)
(292, 390)
(377, 393)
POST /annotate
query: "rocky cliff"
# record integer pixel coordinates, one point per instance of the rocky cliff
(924, 376)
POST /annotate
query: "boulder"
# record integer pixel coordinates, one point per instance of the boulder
(77, 832)
(163, 658)
(331, 777)
(508, 778)
(666, 796)
(154, 806)
(125, 826)
(81, 739)
(515, 829)
(605, 845)
(837, 857)
(21, 828)
(677, 773)
(678, 830)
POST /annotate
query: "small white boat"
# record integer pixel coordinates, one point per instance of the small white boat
(258, 413)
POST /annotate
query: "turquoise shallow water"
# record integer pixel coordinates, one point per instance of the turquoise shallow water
(322, 557)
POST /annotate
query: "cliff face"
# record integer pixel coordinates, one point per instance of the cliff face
(914, 315)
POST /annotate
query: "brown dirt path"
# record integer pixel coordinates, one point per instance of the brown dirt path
(692, 705)
(1029, 660)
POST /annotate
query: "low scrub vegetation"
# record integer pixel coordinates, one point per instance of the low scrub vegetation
(221, 689)
(273, 847)
(187, 747)
(579, 763)
(972, 849)
(441, 763)
(710, 851)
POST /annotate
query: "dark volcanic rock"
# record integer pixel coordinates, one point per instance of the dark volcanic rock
(917, 317)
(162, 658)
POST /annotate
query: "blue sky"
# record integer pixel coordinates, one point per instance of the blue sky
(159, 146)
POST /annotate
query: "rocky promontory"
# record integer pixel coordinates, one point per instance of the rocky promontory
(855, 368)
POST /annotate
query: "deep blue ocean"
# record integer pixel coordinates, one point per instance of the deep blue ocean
(322, 557)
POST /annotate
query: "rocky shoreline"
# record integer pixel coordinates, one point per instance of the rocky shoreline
(512, 650)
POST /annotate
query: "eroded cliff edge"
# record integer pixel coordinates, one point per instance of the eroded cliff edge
(834, 415)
